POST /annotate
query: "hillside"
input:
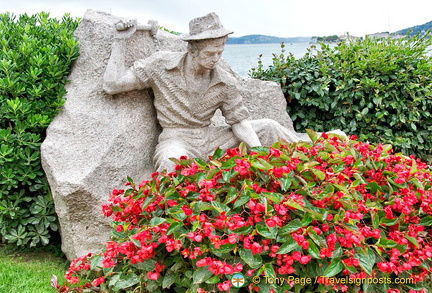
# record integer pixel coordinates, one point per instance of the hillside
(262, 39)
(416, 29)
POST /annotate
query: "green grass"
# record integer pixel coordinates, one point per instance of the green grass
(29, 272)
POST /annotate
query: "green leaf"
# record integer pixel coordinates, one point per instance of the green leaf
(244, 230)
(306, 220)
(264, 231)
(157, 221)
(373, 187)
(267, 165)
(224, 248)
(293, 204)
(147, 265)
(389, 222)
(261, 150)
(318, 239)
(273, 196)
(417, 183)
(426, 221)
(334, 268)
(96, 260)
(200, 162)
(231, 195)
(213, 280)
(285, 183)
(259, 166)
(218, 154)
(118, 235)
(269, 271)
(173, 227)
(383, 242)
(288, 246)
(328, 191)
(292, 226)
(375, 220)
(341, 188)
(220, 207)
(210, 174)
(313, 250)
(253, 260)
(177, 213)
(130, 180)
(412, 240)
(168, 279)
(241, 201)
(201, 275)
(318, 173)
(228, 175)
(147, 202)
(366, 260)
(242, 149)
(151, 286)
(338, 252)
(312, 135)
(413, 167)
(125, 281)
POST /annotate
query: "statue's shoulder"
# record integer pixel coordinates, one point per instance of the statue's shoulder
(161, 59)
(227, 75)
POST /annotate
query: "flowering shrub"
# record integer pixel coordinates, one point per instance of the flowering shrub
(328, 215)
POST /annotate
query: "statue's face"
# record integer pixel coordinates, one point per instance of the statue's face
(209, 54)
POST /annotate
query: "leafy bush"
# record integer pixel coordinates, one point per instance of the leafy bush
(35, 58)
(304, 212)
(379, 89)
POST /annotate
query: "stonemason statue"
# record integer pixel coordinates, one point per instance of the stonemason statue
(189, 87)
(98, 139)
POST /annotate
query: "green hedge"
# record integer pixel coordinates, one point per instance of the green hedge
(35, 58)
(378, 89)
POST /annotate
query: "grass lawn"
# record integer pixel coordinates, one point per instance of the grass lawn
(29, 272)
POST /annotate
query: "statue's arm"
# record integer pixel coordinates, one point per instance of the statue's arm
(118, 78)
(236, 115)
(244, 131)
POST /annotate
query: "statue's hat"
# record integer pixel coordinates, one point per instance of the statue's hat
(205, 27)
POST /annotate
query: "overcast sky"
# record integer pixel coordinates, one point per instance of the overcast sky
(282, 18)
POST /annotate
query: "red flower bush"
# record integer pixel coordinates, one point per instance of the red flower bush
(339, 214)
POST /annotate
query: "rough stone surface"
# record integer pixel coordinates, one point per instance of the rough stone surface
(97, 139)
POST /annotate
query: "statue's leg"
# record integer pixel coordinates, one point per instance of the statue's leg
(269, 131)
(170, 148)
(220, 137)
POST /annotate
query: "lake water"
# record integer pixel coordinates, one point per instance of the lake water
(243, 57)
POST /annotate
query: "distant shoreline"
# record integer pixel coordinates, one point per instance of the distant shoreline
(262, 39)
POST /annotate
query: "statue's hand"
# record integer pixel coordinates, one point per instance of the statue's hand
(125, 29)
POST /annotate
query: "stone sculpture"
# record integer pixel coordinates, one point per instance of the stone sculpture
(188, 89)
(99, 139)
